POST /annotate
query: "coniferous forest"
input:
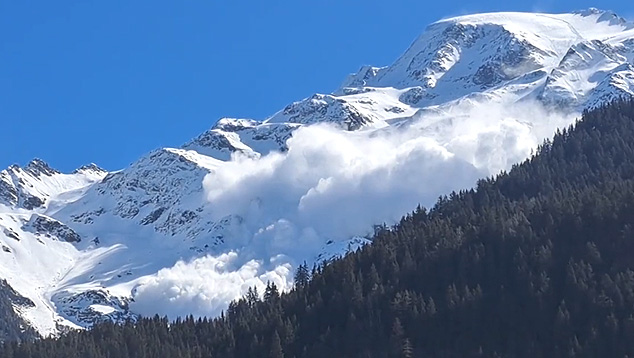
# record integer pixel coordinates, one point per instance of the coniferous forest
(537, 262)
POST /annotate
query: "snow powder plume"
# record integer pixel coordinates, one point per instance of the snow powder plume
(333, 185)
(205, 286)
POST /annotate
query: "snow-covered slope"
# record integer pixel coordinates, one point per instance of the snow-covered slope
(562, 58)
(37, 250)
(185, 230)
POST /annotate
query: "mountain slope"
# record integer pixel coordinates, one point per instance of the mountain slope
(533, 263)
(12, 326)
(186, 230)
(518, 53)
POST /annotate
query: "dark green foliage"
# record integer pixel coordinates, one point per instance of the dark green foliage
(538, 262)
(12, 327)
(302, 275)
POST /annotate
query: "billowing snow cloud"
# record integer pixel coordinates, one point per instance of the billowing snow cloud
(204, 286)
(333, 185)
(336, 184)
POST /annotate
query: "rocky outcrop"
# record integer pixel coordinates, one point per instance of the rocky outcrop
(49, 227)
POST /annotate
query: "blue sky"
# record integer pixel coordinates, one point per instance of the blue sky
(107, 81)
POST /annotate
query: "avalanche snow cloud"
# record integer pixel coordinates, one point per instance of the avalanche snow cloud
(337, 184)
(333, 185)
(204, 286)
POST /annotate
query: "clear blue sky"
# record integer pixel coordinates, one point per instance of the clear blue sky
(107, 81)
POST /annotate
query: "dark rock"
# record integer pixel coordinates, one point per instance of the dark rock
(153, 216)
(46, 226)
(31, 202)
(92, 167)
(38, 167)
(8, 232)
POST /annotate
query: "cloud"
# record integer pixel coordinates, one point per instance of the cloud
(337, 184)
(204, 286)
(332, 185)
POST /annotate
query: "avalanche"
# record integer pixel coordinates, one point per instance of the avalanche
(186, 230)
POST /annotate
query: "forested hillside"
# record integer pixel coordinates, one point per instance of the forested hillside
(537, 262)
(12, 327)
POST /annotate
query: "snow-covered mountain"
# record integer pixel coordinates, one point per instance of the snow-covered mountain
(186, 230)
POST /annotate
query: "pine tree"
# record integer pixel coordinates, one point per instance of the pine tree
(271, 292)
(302, 275)
(408, 350)
(276, 346)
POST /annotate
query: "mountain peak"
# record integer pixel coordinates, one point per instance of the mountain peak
(38, 167)
(608, 16)
(92, 168)
(591, 11)
(500, 17)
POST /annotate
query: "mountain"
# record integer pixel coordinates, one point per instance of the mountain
(187, 230)
(535, 262)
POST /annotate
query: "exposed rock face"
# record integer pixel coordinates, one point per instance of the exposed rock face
(323, 109)
(46, 226)
(30, 187)
(92, 307)
(8, 192)
(38, 167)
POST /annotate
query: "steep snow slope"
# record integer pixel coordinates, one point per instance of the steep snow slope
(35, 186)
(509, 52)
(186, 230)
(38, 250)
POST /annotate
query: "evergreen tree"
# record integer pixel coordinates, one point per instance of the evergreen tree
(276, 347)
(302, 275)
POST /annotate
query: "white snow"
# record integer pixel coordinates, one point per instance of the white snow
(186, 230)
